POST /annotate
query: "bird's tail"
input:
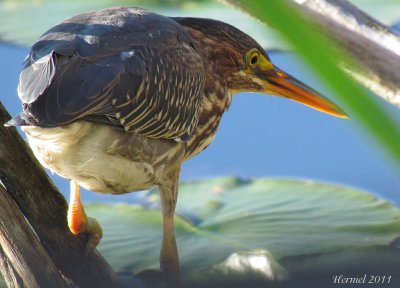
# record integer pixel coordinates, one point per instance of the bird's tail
(22, 119)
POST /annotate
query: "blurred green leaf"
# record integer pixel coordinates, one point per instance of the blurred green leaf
(219, 217)
(23, 21)
(386, 11)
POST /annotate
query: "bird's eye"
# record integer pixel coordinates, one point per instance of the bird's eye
(253, 57)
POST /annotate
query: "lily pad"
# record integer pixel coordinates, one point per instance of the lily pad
(220, 217)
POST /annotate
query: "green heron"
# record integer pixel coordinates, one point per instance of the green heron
(116, 100)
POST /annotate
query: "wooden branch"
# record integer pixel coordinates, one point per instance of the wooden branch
(23, 249)
(7, 270)
(370, 43)
(45, 209)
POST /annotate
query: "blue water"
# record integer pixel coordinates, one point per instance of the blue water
(263, 136)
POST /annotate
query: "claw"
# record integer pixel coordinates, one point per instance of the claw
(95, 233)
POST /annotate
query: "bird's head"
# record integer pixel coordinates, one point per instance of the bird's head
(244, 65)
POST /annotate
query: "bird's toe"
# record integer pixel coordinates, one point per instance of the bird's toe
(94, 232)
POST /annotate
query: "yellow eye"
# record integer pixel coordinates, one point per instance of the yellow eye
(253, 57)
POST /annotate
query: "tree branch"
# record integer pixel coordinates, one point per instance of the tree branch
(45, 209)
(370, 43)
(23, 250)
(7, 270)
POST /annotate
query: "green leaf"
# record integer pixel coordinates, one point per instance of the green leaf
(22, 21)
(386, 11)
(220, 217)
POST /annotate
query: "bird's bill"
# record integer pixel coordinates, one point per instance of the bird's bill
(282, 84)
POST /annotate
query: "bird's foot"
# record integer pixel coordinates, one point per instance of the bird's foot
(94, 232)
(79, 223)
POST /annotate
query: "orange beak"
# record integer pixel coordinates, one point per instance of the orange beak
(277, 82)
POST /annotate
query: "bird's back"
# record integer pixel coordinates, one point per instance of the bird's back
(126, 67)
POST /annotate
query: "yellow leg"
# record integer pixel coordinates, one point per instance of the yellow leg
(78, 222)
(169, 259)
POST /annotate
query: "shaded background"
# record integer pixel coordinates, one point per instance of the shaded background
(260, 136)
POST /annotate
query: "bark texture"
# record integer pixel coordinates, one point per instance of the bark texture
(33, 226)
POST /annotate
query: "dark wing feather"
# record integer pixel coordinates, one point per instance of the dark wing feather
(126, 66)
(80, 87)
(39, 68)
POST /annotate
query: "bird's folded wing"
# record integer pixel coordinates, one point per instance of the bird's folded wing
(153, 92)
